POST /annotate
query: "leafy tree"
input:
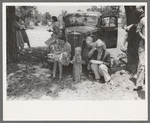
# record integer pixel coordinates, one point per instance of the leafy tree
(106, 10)
(47, 16)
(79, 10)
(25, 11)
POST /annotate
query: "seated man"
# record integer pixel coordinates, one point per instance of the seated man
(100, 62)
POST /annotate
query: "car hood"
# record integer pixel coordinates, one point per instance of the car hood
(82, 29)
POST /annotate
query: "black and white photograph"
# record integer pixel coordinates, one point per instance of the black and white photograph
(75, 52)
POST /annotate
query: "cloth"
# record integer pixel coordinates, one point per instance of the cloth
(125, 41)
(19, 38)
(66, 48)
(77, 68)
(25, 36)
(141, 69)
(141, 28)
(64, 59)
(141, 52)
(23, 31)
(105, 57)
(101, 70)
(53, 38)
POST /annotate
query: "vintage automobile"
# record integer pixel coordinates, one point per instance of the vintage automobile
(82, 24)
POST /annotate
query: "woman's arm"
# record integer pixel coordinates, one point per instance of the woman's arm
(56, 30)
(141, 35)
(17, 24)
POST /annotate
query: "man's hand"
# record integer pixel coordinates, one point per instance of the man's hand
(71, 62)
(89, 67)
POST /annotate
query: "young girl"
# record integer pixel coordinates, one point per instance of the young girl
(77, 65)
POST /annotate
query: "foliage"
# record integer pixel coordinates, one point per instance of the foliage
(46, 16)
(106, 10)
(39, 17)
(79, 10)
(25, 11)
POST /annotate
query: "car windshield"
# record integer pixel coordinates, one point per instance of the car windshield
(81, 19)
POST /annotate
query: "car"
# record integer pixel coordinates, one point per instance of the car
(80, 25)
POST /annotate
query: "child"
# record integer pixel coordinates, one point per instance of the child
(87, 47)
(77, 65)
(65, 59)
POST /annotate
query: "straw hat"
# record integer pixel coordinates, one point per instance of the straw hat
(100, 43)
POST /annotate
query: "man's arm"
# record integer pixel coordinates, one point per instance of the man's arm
(140, 26)
(107, 61)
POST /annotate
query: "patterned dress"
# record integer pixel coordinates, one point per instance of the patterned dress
(53, 38)
(19, 38)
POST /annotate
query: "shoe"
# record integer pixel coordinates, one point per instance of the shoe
(139, 88)
(110, 82)
(97, 80)
(53, 79)
(60, 80)
(22, 53)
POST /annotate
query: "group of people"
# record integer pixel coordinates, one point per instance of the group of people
(59, 51)
(136, 33)
(21, 35)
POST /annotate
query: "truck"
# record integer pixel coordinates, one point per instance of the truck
(80, 25)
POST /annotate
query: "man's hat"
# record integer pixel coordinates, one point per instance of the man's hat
(100, 43)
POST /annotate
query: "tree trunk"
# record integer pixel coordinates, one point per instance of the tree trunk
(130, 16)
(11, 34)
(132, 59)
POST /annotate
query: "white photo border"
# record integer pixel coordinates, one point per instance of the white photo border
(72, 110)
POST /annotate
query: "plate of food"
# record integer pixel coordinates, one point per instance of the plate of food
(57, 52)
(96, 62)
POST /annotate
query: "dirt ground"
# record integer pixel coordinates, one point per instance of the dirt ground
(30, 78)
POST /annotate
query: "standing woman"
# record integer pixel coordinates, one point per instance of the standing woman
(56, 31)
(19, 38)
(24, 34)
(140, 14)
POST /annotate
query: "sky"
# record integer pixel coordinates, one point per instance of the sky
(56, 10)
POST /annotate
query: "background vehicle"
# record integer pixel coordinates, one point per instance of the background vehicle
(82, 24)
